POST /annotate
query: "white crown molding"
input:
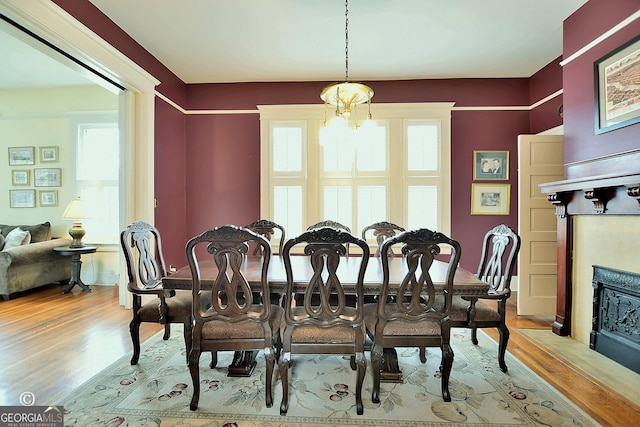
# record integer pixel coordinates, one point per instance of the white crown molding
(602, 38)
(53, 24)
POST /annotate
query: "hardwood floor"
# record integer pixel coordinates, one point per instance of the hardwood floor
(51, 343)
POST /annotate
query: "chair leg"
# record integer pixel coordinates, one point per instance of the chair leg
(447, 364)
(502, 346)
(214, 359)
(474, 335)
(167, 331)
(283, 367)
(194, 369)
(376, 367)
(361, 362)
(270, 361)
(423, 355)
(134, 328)
(187, 327)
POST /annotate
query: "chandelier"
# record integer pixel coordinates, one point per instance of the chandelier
(347, 95)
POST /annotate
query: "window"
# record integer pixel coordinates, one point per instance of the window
(396, 171)
(97, 179)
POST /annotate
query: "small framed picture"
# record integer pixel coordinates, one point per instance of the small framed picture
(48, 154)
(20, 177)
(21, 156)
(490, 199)
(22, 198)
(48, 198)
(47, 177)
(490, 165)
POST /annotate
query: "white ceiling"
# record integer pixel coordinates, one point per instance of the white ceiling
(214, 41)
(209, 41)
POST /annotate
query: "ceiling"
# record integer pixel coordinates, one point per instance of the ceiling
(211, 41)
(217, 41)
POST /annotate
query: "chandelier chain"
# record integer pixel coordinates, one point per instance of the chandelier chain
(346, 40)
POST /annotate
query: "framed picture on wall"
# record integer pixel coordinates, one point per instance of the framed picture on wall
(21, 156)
(616, 82)
(490, 199)
(20, 177)
(490, 165)
(48, 154)
(47, 177)
(48, 198)
(22, 198)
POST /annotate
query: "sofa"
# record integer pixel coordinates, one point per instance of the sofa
(33, 263)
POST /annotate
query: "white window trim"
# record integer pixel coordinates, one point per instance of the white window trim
(314, 115)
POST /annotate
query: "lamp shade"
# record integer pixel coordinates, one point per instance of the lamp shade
(75, 210)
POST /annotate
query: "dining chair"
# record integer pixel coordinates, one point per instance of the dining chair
(267, 229)
(325, 322)
(142, 248)
(417, 319)
(381, 231)
(333, 224)
(234, 321)
(500, 249)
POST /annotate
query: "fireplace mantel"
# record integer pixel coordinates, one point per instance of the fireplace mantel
(590, 190)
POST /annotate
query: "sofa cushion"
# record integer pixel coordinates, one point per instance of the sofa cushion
(39, 232)
(17, 237)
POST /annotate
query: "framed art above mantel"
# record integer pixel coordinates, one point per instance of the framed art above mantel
(617, 88)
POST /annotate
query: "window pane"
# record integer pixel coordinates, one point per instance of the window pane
(287, 208)
(337, 155)
(101, 205)
(98, 153)
(337, 204)
(372, 148)
(422, 207)
(372, 205)
(422, 146)
(287, 149)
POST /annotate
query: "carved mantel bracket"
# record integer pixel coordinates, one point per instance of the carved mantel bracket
(558, 201)
(597, 197)
(634, 191)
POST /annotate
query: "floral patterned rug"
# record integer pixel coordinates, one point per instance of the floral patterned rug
(158, 391)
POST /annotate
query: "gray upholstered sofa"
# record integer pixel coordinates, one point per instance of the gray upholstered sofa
(33, 264)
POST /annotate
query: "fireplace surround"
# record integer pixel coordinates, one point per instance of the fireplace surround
(591, 188)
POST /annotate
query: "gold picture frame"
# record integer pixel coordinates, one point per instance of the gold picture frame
(49, 154)
(20, 177)
(47, 177)
(490, 199)
(48, 198)
(19, 156)
(490, 165)
(22, 198)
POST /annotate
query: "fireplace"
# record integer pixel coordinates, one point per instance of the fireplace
(616, 316)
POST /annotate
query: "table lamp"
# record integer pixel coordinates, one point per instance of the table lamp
(75, 211)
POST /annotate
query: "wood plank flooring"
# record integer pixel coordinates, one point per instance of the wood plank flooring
(51, 343)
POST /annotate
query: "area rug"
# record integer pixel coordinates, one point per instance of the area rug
(157, 392)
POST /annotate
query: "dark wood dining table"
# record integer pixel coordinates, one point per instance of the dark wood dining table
(465, 284)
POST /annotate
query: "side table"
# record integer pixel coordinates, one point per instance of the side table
(76, 264)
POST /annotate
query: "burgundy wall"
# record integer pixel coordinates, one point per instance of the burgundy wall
(223, 173)
(207, 166)
(542, 84)
(586, 24)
